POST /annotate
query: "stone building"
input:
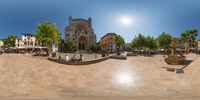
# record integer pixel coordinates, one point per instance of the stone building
(1, 43)
(107, 43)
(192, 46)
(81, 32)
(198, 42)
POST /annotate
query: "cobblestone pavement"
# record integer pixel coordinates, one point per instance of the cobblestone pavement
(139, 77)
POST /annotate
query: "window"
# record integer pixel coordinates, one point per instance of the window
(18, 45)
(31, 39)
(25, 35)
(35, 40)
(25, 39)
(18, 40)
(111, 38)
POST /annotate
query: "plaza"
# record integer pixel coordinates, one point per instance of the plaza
(25, 77)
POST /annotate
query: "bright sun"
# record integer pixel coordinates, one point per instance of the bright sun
(126, 20)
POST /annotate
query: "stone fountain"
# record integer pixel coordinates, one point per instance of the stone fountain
(173, 58)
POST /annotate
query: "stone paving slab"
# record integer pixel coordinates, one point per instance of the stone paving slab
(137, 77)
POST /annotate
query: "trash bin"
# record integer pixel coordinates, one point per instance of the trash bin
(103, 55)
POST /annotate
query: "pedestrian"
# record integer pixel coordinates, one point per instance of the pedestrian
(60, 57)
(81, 58)
(74, 58)
(66, 57)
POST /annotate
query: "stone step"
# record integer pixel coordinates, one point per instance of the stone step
(82, 51)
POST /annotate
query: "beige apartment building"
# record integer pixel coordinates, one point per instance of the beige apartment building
(1, 43)
(28, 40)
(107, 43)
(198, 44)
(192, 46)
(27, 43)
(18, 42)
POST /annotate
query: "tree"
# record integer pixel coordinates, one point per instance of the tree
(164, 40)
(150, 42)
(119, 41)
(74, 46)
(188, 37)
(47, 34)
(139, 42)
(98, 46)
(129, 48)
(95, 47)
(9, 41)
(70, 46)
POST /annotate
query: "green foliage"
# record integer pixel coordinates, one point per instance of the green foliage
(189, 36)
(47, 34)
(9, 41)
(164, 40)
(95, 47)
(142, 42)
(150, 42)
(98, 46)
(70, 46)
(119, 41)
(129, 48)
(139, 42)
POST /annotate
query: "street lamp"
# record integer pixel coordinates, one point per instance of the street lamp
(114, 47)
(95, 52)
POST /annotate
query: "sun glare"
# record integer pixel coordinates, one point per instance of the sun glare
(126, 20)
(125, 78)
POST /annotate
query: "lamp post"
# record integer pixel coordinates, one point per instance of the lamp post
(95, 52)
(114, 47)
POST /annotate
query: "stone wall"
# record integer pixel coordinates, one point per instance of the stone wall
(131, 54)
(87, 62)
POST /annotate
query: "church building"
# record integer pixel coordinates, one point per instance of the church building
(81, 32)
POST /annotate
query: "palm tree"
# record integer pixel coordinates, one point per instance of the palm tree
(187, 37)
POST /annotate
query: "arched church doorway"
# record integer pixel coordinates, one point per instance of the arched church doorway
(82, 45)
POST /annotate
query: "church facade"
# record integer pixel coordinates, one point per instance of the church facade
(81, 32)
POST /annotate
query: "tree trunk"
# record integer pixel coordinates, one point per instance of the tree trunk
(188, 47)
(49, 50)
(164, 51)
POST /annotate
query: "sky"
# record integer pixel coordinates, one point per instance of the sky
(127, 18)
